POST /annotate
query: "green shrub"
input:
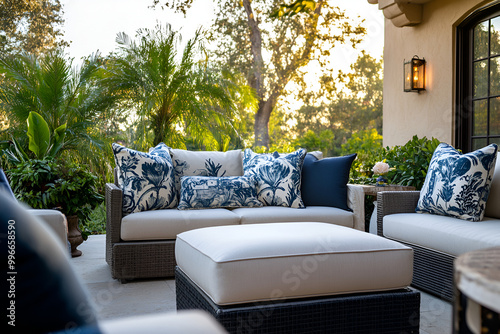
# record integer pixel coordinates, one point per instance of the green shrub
(47, 184)
(368, 146)
(410, 161)
(96, 223)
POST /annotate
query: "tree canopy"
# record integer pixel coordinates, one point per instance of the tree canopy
(272, 51)
(31, 26)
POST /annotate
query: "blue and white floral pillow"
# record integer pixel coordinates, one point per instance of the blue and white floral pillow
(198, 192)
(147, 179)
(456, 184)
(278, 177)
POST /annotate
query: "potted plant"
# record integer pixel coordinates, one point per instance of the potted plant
(46, 183)
(67, 187)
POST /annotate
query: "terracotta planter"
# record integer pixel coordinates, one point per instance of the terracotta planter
(74, 235)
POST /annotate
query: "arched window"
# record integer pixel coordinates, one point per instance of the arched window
(478, 75)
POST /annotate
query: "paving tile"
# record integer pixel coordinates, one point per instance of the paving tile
(115, 300)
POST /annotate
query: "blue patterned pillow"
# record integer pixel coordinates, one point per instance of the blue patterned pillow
(147, 179)
(198, 192)
(456, 184)
(278, 176)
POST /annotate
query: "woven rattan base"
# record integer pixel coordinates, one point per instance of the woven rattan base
(432, 271)
(136, 260)
(385, 312)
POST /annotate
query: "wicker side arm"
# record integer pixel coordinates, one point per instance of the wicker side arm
(389, 202)
(113, 199)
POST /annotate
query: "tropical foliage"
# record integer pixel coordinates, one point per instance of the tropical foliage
(63, 96)
(171, 97)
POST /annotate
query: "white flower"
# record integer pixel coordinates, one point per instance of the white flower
(380, 168)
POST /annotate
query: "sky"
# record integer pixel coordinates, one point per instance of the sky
(92, 25)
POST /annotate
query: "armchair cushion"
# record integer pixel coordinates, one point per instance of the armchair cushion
(445, 234)
(456, 184)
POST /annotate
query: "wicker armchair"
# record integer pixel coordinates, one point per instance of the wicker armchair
(432, 270)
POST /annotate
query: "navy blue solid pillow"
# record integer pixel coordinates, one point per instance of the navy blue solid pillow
(41, 291)
(324, 182)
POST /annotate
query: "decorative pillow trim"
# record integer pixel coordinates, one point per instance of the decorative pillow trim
(278, 176)
(200, 192)
(147, 179)
(456, 184)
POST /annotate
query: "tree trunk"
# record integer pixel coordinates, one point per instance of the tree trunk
(261, 128)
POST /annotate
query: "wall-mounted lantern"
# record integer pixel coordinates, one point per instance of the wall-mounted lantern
(414, 71)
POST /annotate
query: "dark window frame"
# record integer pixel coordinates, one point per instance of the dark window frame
(464, 75)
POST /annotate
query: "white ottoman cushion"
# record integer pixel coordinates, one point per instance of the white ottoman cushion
(249, 263)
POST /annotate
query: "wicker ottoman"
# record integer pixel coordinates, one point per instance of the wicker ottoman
(297, 277)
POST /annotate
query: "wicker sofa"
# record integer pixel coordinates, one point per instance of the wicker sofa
(141, 244)
(437, 240)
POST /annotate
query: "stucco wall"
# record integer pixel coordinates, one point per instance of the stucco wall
(429, 113)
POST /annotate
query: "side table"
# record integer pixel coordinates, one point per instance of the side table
(372, 191)
(477, 292)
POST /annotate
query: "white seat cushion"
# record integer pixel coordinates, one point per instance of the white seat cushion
(274, 214)
(257, 262)
(166, 224)
(445, 234)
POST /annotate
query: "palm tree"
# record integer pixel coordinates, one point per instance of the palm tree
(172, 97)
(60, 93)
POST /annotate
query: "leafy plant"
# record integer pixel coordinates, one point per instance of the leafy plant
(96, 223)
(43, 144)
(411, 161)
(71, 100)
(46, 184)
(171, 97)
(368, 145)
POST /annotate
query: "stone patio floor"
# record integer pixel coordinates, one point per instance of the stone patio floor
(115, 300)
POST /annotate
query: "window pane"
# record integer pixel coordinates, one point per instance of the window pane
(495, 76)
(495, 117)
(495, 140)
(481, 40)
(495, 36)
(480, 120)
(478, 143)
(480, 79)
